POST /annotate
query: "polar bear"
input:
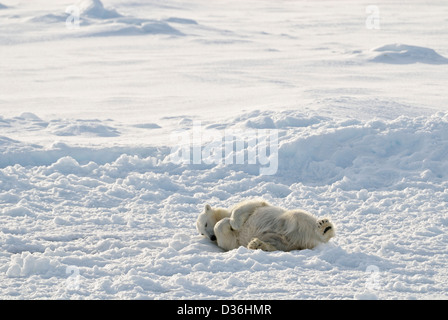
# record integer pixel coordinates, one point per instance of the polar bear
(207, 220)
(272, 228)
(258, 225)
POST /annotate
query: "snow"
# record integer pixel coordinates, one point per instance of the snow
(93, 204)
(404, 54)
(95, 9)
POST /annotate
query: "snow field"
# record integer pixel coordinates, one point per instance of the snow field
(94, 94)
(125, 228)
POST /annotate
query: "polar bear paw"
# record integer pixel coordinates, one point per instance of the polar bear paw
(256, 244)
(325, 228)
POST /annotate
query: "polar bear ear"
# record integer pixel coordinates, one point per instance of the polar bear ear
(208, 208)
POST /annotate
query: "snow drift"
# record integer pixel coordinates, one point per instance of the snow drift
(365, 155)
(405, 54)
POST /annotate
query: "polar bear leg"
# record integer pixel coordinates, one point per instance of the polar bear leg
(256, 244)
(241, 213)
(269, 241)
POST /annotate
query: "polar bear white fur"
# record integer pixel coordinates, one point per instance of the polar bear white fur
(257, 225)
(210, 216)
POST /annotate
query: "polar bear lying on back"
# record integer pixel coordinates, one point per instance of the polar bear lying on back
(256, 224)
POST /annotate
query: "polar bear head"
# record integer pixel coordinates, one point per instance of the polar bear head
(208, 218)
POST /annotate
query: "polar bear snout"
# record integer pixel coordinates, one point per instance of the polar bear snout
(213, 237)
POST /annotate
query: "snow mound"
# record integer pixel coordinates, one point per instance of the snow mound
(2, 6)
(82, 127)
(84, 9)
(406, 54)
(95, 9)
(373, 154)
(27, 264)
(17, 211)
(149, 125)
(97, 21)
(27, 121)
(132, 26)
(281, 120)
(29, 116)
